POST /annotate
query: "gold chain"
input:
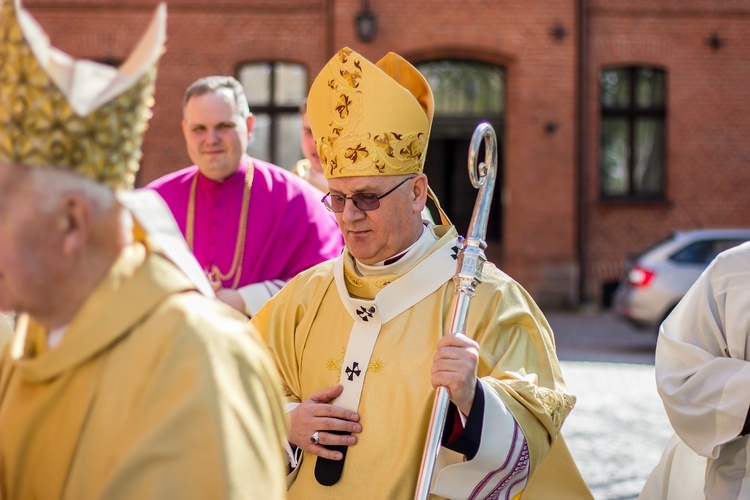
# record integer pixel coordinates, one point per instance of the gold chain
(239, 251)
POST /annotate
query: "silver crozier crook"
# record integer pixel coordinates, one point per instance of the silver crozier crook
(468, 275)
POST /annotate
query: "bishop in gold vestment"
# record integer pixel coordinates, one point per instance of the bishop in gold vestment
(5, 331)
(123, 379)
(309, 324)
(156, 391)
(360, 340)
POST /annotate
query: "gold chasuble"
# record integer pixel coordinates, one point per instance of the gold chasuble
(152, 391)
(5, 331)
(311, 327)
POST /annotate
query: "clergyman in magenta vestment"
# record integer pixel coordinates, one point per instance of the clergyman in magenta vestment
(288, 228)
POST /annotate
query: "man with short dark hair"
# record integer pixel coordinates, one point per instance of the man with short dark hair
(251, 225)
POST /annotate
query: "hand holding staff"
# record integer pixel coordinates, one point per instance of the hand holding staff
(468, 275)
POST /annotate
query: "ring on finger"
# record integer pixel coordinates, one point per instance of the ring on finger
(315, 438)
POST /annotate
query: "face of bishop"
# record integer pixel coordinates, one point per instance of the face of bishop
(375, 235)
(215, 133)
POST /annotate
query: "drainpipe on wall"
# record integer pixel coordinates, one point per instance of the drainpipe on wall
(330, 27)
(582, 150)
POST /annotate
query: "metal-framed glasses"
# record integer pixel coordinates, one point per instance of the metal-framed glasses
(363, 201)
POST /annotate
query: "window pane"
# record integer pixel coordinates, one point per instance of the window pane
(614, 163)
(649, 152)
(275, 89)
(256, 79)
(259, 146)
(721, 245)
(615, 86)
(465, 87)
(695, 253)
(290, 84)
(288, 137)
(649, 92)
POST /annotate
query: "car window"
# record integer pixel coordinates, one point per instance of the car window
(635, 256)
(704, 251)
(721, 245)
(695, 253)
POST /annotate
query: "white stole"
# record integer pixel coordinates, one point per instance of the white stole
(370, 315)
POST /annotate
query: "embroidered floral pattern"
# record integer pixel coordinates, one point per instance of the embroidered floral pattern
(334, 364)
(557, 404)
(375, 366)
(381, 283)
(353, 280)
(343, 106)
(346, 152)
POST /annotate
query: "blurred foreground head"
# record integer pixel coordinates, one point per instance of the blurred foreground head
(70, 138)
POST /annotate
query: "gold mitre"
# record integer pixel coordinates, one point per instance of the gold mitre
(370, 119)
(77, 115)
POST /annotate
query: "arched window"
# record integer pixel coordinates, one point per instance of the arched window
(465, 87)
(275, 91)
(632, 132)
(466, 93)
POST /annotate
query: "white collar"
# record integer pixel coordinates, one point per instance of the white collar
(410, 256)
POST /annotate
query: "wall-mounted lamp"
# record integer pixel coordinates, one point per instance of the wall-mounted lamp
(558, 32)
(366, 23)
(714, 41)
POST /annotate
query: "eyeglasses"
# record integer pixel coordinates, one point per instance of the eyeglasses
(363, 201)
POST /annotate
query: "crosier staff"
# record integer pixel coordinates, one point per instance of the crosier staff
(468, 275)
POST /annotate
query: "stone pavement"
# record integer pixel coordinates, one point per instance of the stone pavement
(618, 428)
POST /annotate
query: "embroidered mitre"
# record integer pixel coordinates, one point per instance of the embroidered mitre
(77, 115)
(370, 119)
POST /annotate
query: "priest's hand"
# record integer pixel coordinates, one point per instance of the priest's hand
(231, 297)
(317, 415)
(226, 295)
(455, 367)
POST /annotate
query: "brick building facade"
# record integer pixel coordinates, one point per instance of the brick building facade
(556, 231)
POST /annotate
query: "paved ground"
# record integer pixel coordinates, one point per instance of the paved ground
(618, 429)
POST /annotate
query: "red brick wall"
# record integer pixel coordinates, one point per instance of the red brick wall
(707, 100)
(538, 168)
(708, 120)
(203, 37)
(214, 37)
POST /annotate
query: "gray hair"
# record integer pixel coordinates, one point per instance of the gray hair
(214, 84)
(54, 183)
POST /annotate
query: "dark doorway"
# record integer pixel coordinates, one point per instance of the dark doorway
(447, 169)
(466, 93)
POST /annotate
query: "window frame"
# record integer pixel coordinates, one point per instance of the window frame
(631, 114)
(276, 111)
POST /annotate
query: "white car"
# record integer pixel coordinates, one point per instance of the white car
(654, 281)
